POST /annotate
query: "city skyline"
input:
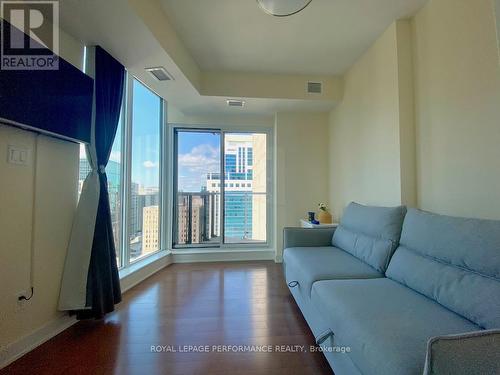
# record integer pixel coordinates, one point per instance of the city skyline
(199, 205)
(200, 208)
(191, 161)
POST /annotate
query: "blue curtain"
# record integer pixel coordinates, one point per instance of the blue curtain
(103, 282)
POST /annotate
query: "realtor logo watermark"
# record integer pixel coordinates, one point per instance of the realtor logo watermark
(30, 35)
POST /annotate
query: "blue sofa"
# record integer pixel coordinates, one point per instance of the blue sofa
(396, 292)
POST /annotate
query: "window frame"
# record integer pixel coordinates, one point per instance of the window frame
(126, 172)
(130, 78)
(270, 176)
(174, 184)
(121, 124)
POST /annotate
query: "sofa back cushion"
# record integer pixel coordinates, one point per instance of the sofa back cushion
(454, 261)
(370, 233)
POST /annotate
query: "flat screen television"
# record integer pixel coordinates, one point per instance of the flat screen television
(54, 102)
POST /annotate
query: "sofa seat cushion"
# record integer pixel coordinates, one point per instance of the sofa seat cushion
(385, 324)
(309, 264)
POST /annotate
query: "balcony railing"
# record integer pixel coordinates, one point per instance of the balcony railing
(199, 218)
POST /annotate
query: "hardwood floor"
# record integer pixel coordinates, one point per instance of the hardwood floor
(204, 304)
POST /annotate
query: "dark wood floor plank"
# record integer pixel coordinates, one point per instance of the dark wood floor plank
(234, 303)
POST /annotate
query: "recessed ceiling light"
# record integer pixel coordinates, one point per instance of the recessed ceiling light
(235, 102)
(160, 73)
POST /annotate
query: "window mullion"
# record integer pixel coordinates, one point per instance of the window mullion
(126, 157)
(222, 205)
(121, 244)
(163, 220)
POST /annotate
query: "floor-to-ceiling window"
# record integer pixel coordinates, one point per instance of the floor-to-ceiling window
(134, 174)
(218, 179)
(144, 194)
(221, 188)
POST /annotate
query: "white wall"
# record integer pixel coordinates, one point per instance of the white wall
(457, 79)
(301, 168)
(420, 119)
(365, 137)
(40, 210)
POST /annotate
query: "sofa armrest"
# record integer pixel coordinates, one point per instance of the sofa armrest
(471, 353)
(307, 237)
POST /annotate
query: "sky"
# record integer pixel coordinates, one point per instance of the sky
(199, 152)
(146, 113)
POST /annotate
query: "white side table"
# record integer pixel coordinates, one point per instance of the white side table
(306, 224)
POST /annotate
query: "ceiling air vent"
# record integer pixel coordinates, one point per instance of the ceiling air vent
(314, 87)
(160, 73)
(235, 103)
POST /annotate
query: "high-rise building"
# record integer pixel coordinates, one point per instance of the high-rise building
(150, 229)
(191, 219)
(245, 187)
(259, 187)
(141, 200)
(238, 187)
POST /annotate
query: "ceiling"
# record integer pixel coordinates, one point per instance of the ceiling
(232, 36)
(327, 37)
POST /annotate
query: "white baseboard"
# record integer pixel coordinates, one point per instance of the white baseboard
(133, 278)
(222, 256)
(29, 342)
(128, 280)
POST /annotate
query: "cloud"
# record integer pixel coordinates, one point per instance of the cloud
(194, 166)
(149, 164)
(202, 159)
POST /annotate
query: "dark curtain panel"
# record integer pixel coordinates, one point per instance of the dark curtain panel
(103, 282)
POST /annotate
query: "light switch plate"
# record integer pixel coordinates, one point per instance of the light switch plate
(17, 155)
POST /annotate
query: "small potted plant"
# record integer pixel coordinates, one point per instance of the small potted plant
(324, 217)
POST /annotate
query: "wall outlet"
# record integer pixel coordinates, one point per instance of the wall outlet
(21, 293)
(21, 303)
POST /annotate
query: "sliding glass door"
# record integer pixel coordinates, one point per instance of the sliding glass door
(197, 220)
(245, 183)
(220, 189)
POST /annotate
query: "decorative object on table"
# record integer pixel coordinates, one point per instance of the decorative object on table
(324, 216)
(311, 216)
(283, 8)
